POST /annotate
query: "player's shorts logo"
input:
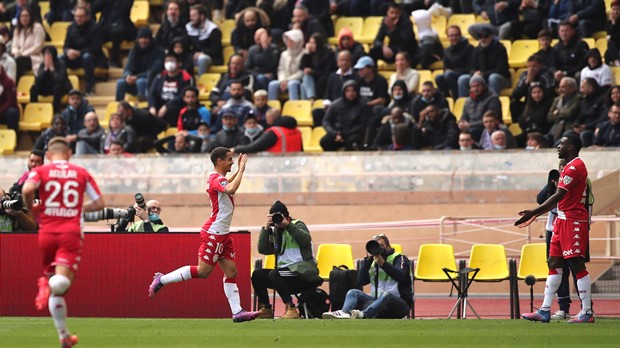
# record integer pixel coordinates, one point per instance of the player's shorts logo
(577, 251)
(568, 252)
(576, 244)
(576, 236)
(577, 229)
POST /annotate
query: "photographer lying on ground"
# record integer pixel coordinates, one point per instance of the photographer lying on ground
(392, 298)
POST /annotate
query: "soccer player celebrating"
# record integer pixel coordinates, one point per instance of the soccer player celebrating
(570, 232)
(216, 246)
(61, 186)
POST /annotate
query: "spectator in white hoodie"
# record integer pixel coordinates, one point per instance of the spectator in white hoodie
(289, 71)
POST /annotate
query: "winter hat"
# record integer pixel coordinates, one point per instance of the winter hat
(478, 79)
(145, 32)
(279, 207)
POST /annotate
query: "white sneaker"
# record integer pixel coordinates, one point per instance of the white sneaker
(336, 315)
(355, 314)
(560, 314)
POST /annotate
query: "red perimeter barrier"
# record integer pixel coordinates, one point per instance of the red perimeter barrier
(115, 273)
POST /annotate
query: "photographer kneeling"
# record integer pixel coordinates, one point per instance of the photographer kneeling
(296, 269)
(150, 220)
(391, 298)
(13, 215)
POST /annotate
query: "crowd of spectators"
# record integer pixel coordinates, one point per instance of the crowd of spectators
(282, 53)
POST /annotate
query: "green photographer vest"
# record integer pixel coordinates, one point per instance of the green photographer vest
(296, 259)
(386, 284)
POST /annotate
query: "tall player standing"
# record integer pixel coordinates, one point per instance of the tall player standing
(216, 245)
(570, 232)
(61, 186)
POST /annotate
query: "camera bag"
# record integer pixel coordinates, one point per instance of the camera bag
(341, 280)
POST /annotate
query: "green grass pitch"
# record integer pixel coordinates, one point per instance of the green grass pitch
(106, 332)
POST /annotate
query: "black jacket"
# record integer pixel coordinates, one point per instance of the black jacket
(608, 135)
(459, 57)
(346, 116)
(86, 39)
(418, 104)
(571, 57)
(75, 118)
(333, 90)
(402, 37)
(491, 59)
(549, 58)
(268, 138)
(145, 124)
(534, 116)
(591, 111)
(399, 270)
(167, 33)
(158, 96)
(232, 138)
(383, 139)
(263, 60)
(144, 63)
(545, 79)
(441, 135)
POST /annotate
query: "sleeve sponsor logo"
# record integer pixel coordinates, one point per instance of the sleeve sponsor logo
(567, 180)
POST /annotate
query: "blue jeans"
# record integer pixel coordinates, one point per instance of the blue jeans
(496, 83)
(387, 306)
(83, 148)
(274, 90)
(139, 88)
(448, 83)
(262, 82)
(86, 61)
(307, 87)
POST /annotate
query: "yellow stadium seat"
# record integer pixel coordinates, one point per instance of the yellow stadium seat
(318, 104)
(75, 82)
(276, 104)
(315, 140)
(425, 75)
(140, 13)
(45, 7)
(508, 45)
(533, 261)
(58, 32)
(480, 19)
(205, 84)
(301, 110)
(515, 129)
(616, 71)
(227, 28)
(306, 135)
(168, 132)
(387, 74)
(521, 50)
(23, 88)
(432, 259)
(397, 248)
(355, 24)
(37, 117)
(8, 141)
(450, 101)
(227, 52)
(371, 28)
(601, 44)
(591, 42)
(110, 109)
(505, 101)
(439, 23)
(463, 21)
(330, 255)
(491, 259)
(458, 107)
(269, 262)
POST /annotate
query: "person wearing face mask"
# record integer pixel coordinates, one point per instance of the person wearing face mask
(428, 95)
(193, 113)
(401, 98)
(498, 140)
(391, 294)
(150, 221)
(251, 129)
(490, 120)
(172, 25)
(165, 96)
(230, 135)
(282, 136)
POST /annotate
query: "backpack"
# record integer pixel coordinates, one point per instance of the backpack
(341, 280)
(316, 301)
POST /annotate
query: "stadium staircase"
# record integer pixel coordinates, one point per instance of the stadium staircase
(609, 282)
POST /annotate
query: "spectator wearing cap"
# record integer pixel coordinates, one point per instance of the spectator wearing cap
(373, 90)
(144, 61)
(481, 99)
(172, 25)
(165, 95)
(289, 71)
(570, 52)
(262, 59)
(28, 42)
(457, 59)
(596, 69)
(282, 136)
(194, 113)
(115, 24)
(546, 52)
(75, 113)
(230, 135)
(82, 47)
(9, 114)
(205, 38)
(88, 139)
(397, 27)
(52, 79)
(237, 104)
(8, 63)
(261, 106)
(490, 61)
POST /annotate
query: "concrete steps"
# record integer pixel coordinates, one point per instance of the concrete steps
(609, 282)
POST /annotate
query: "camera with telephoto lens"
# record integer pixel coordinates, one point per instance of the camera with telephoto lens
(105, 214)
(13, 201)
(373, 248)
(277, 218)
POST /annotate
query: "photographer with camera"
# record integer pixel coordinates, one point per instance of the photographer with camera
(13, 215)
(150, 220)
(388, 274)
(296, 269)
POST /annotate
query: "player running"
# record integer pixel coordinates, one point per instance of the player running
(570, 232)
(61, 186)
(216, 245)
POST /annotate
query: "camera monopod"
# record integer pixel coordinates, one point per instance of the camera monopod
(531, 280)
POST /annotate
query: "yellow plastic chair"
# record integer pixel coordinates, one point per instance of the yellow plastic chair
(315, 140)
(370, 30)
(227, 28)
(432, 259)
(318, 104)
(205, 84)
(463, 21)
(8, 141)
(616, 71)
(508, 45)
(301, 110)
(58, 33)
(458, 107)
(439, 23)
(355, 24)
(515, 129)
(491, 259)
(533, 261)
(269, 262)
(521, 50)
(37, 117)
(23, 88)
(601, 44)
(275, 104)
(330, 255)
(387, 74)
(140, 13)
(450, 101)
(426, 75)
(306, 135)
(110, 109)
(227, 52)
(397, 248)
(505, 101)
(75, 81)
